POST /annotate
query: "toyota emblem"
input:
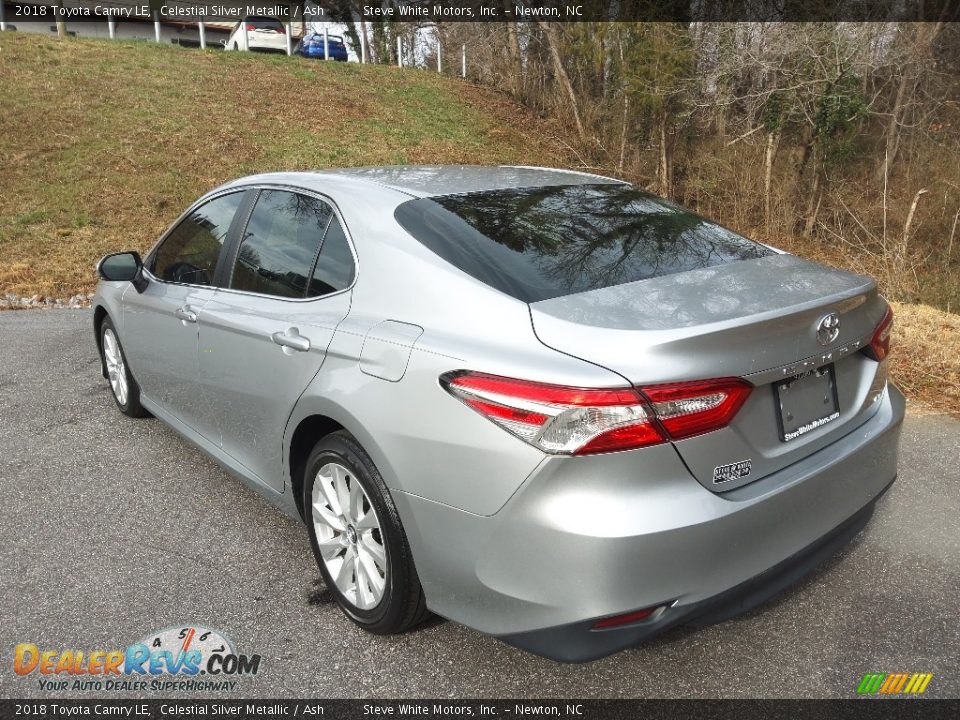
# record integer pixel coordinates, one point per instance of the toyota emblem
(828, 328)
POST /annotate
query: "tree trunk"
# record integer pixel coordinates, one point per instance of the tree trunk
(773, 143)
(813, 205)
(513, 49)
(665, 161)
(623, 132)
(562, 76)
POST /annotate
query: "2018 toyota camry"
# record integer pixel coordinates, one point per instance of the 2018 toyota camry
(545, 404)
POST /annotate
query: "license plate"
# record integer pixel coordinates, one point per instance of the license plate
(806, 402)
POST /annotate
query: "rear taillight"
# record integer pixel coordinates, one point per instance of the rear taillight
(580, 421)
(251, 27)
(282, 30)
(879, 346)
(693, 408)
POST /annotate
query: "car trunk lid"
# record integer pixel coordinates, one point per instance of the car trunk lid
(755, 319)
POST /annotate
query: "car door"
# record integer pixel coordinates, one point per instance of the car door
(264, 336)
(161, 325)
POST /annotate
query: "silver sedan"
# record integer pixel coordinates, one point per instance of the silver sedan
(545, 404)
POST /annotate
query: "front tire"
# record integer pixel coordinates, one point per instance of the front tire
(357, 538)
(126, 392)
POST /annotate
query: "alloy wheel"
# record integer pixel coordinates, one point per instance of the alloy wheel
(116, 368)
(349, 536)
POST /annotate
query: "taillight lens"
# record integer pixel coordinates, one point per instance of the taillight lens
(879, 346)
(581, 421)
(694, 408)
(251, 27)
(282, 30)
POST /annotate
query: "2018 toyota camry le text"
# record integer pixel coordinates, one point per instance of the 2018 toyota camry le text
(545, 404)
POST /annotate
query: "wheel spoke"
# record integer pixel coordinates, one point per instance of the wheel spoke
(330, 549)
(325, 486)
(364, 596)
(356, 500)
(323, 514)
(343, 493)
(368, 521)
(108, 349)
(370, 572)
(374, 550)
(345, 577)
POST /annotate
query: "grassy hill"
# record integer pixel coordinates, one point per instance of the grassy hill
(104, 143)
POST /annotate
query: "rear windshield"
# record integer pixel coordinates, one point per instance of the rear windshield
(545, 242)
(264, 23)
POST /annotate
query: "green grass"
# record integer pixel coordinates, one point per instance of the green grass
(105, 142)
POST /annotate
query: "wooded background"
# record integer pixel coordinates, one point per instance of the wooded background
(842, 139)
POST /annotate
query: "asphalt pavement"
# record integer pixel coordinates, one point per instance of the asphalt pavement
(112, 528)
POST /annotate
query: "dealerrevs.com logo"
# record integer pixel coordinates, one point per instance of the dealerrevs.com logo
(191, 658)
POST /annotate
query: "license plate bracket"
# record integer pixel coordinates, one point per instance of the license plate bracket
(806, 402)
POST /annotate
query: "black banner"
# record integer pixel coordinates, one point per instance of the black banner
(428, 11)
(571, 709)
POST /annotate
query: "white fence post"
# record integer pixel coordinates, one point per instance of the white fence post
(111, 28)
(203, 34)
(463, 68)
(326, 43)
(3, 19)
(289, 38)
(363, 48)
(399, 52)
(439, 56)
(156, 25)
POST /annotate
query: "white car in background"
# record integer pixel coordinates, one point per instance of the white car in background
(258, 32)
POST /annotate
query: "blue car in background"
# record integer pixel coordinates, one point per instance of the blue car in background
(312, 47)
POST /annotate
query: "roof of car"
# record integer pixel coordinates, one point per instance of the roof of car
(432, 180)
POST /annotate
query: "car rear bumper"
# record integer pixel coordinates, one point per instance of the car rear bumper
(580, 642)
(594, 537)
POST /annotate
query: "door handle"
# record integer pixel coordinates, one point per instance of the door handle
(186, 314)
(291, 339)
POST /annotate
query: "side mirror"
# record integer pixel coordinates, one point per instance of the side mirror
(123, 267)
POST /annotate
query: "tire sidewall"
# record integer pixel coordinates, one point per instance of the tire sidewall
(341, 450)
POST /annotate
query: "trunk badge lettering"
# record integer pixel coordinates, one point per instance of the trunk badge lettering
(816, 361)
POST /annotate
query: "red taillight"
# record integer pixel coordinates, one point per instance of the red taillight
(581, 421)
(627, 619)
(558, 418)
(251, 27)
(544, 393)
(282, 30)
(693, 408)
(879, 346)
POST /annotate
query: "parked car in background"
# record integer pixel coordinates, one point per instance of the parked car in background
(258, 32)
(548, 405)
(312, 47)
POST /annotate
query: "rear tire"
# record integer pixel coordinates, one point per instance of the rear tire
(358, 540)
(125, 391)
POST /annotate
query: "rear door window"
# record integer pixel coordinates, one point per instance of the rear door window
(189, 254)
(545, 242)
(280, 244)
(335, 267)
